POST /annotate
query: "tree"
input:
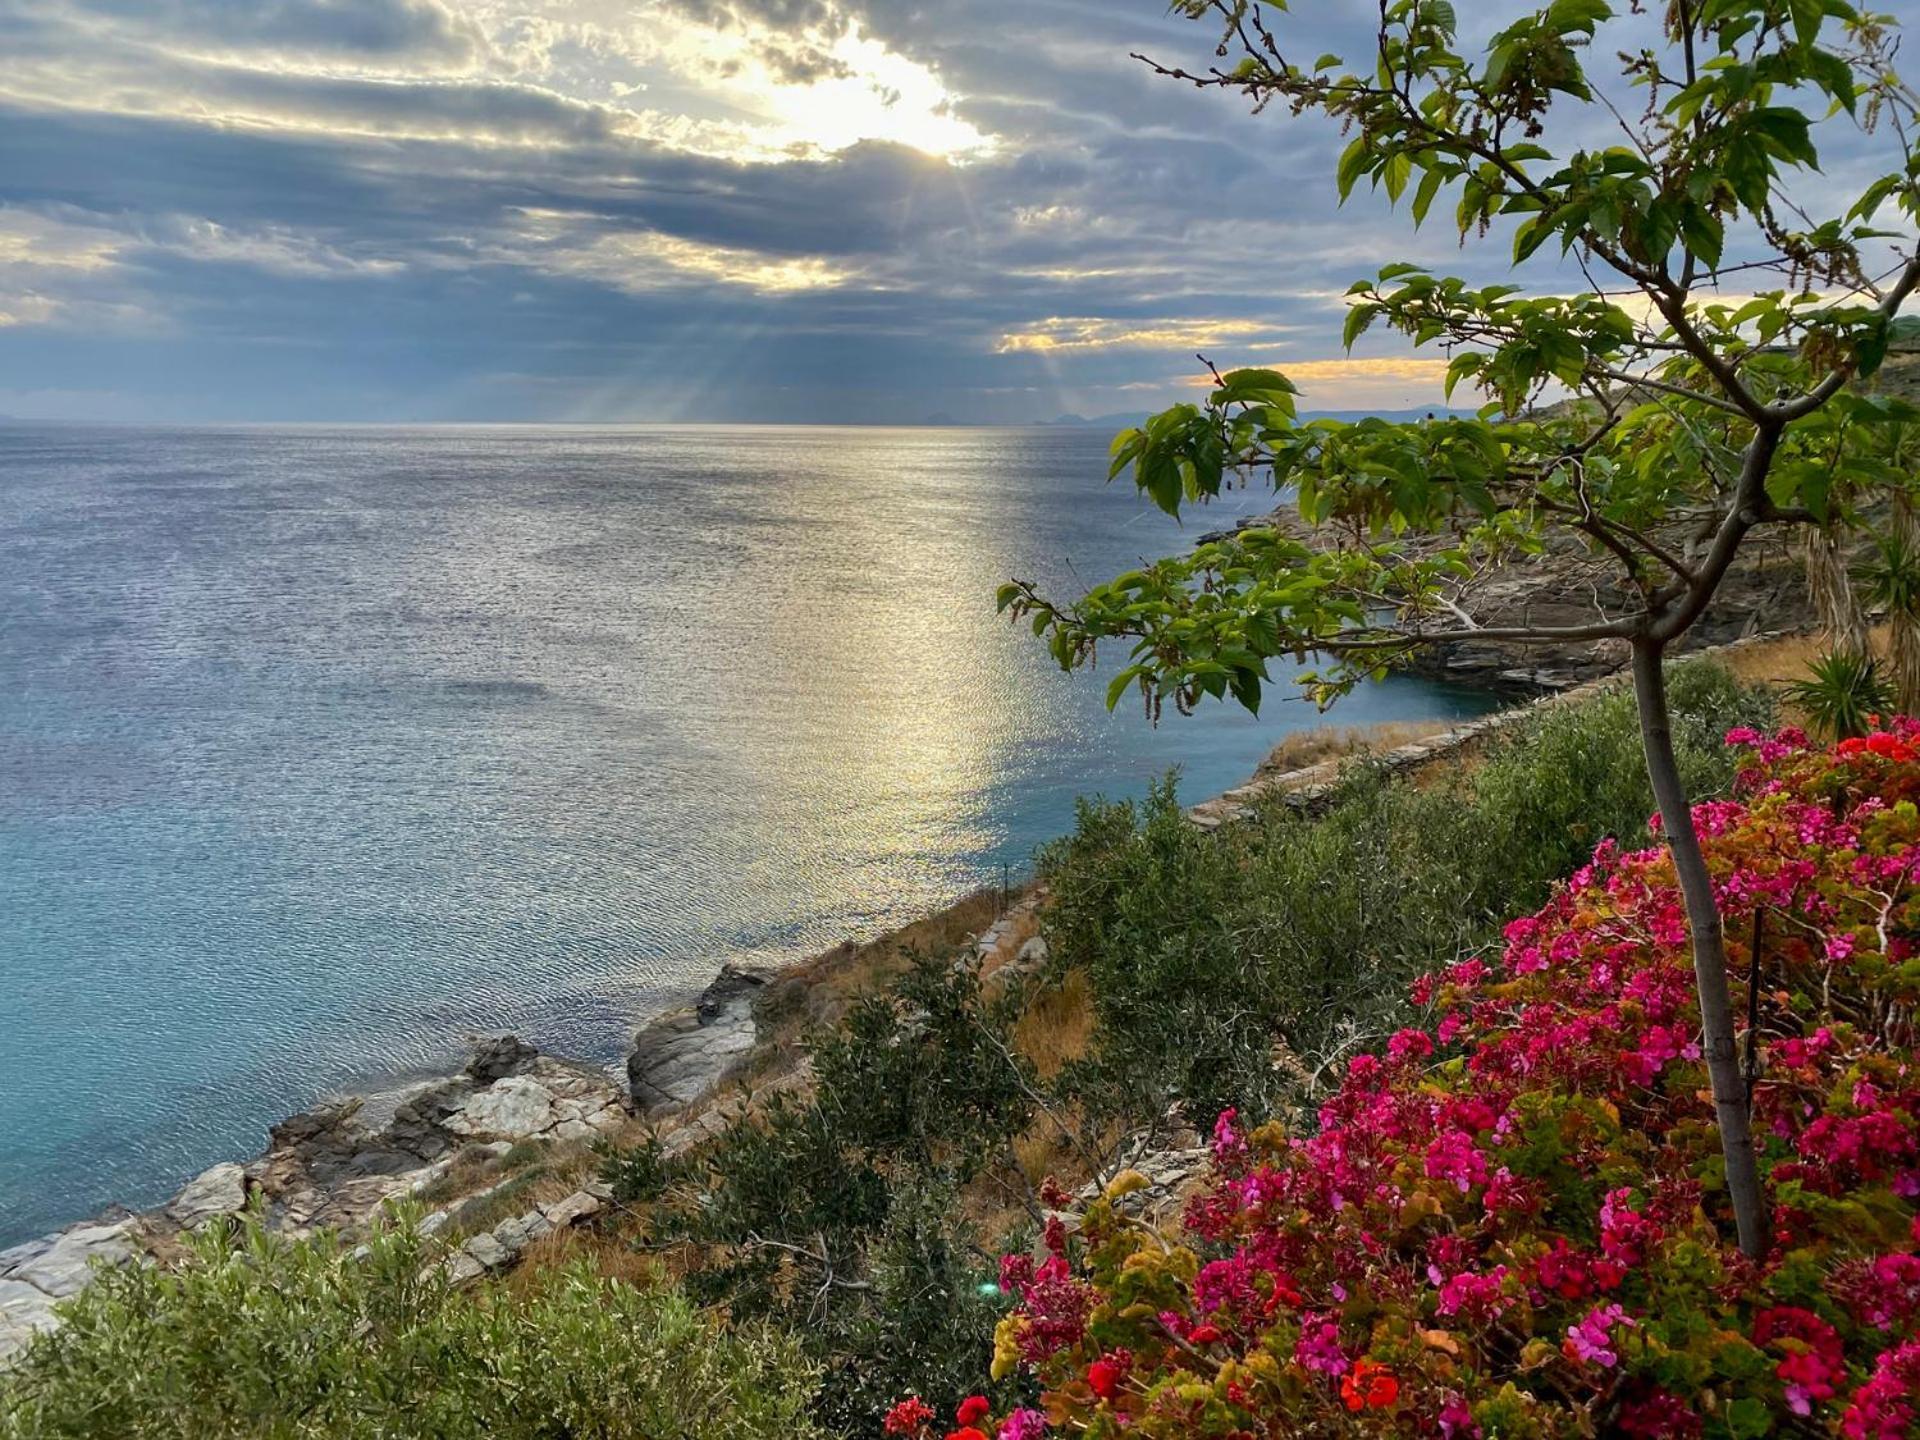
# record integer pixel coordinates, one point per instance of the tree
(1693, 420)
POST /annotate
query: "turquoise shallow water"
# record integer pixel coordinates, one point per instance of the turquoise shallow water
(323, 747)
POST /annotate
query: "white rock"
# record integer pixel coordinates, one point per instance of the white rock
(517, 1107)
(219, 1191)
(462, 1267)
(681, 1055)
(490, 1253)
(24, 1313)
(14, 1257)
(570, 1211)
(521, 1231)
(64, 1269)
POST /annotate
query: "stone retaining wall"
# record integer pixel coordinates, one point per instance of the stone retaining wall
(1311, 787)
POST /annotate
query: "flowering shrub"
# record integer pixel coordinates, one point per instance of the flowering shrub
(1514, 1225)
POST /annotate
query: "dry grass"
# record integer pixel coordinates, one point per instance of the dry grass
(1786, 658)
(608, 1252)
(1780, 659)
(1057, 1026)
(1306, 748)
(820, 991)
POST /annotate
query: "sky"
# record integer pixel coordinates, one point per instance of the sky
(862, 211)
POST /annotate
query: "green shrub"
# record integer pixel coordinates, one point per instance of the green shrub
(259, 1336)
(1315, 923)
(836, 1216)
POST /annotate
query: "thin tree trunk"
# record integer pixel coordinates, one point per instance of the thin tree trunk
(1903, 625)
(1830, 588)
(1709, 948)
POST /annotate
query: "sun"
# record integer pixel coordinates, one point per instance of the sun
(854, 88)
(879, 95)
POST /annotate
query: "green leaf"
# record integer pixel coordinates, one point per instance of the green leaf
(1835, 76)
(1355, 161)
(1498, 64)
(1788, 131)
(1748, 1418)
(1118, 685)
(1706, 236)
(1159, 476)
(1530, 237)
(1567, 16)
(1395, 174)
(1423, 198)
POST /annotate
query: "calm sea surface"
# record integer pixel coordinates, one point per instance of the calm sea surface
(321, 748)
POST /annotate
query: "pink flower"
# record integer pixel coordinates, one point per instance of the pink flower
(1228, 1143)
(1454, 1157)
(1318, 1348)
(1590, 1339)
(1477, 1296)
(1409, 1045)
(1815, 1363)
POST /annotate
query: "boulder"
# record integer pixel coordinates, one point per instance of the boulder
(521, 1231)
(24, 1312)
(66, 1265)
(572, 1210)
(517, 1107)
(497, 1056)
(488, 1251)
(683, 1054)
(219, 1191)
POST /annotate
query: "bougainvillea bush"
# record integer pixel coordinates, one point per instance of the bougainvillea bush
(1512, 1224)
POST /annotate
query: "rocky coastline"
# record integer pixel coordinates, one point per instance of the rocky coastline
(458, 1146)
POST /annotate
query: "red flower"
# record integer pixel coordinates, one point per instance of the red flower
(1369, 1386)
(973, 1408)
(1103, 1377)
(1205, 1335)
(965, 1432)
(909, 1417)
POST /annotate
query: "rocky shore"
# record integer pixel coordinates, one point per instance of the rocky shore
(463, 1147)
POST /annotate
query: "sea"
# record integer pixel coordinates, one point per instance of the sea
(325, 748)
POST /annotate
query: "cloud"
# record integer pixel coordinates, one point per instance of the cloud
(1055, 335)
(1320, 374)
(621, 208)
(640, 262)
(412, 30)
